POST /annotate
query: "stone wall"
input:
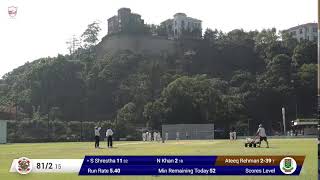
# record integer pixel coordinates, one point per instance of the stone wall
(136, 43)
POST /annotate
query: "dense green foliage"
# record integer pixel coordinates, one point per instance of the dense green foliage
(227, 79)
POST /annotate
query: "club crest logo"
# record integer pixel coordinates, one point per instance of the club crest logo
(24, 165)
(12, 11)
(288, 165)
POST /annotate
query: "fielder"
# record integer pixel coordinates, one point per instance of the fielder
(233, 134)
(167, 136)
(158, 136)
(177, 135)
(149, 136)
(155, 135)
(144, 136)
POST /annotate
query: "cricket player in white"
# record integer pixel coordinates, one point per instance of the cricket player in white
(177, 135)
(167, 136)
(109, 134)
(158, 136)
(231, 135)
(262, 134)
(144, 136)
(149, 136)
(234, 135)
(155, 135)
(97, 136)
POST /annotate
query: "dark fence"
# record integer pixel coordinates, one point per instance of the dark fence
(53, 131)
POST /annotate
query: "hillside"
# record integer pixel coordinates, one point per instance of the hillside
(228, 79)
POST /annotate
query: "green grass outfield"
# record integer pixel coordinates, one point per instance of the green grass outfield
(72, 150)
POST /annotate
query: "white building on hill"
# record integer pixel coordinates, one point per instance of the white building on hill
(182, 26)
(307, 31)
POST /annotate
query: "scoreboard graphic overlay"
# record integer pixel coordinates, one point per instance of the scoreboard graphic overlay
(164, 165)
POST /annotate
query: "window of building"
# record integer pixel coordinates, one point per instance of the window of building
(301, 39)
(293, 33)
(175, 23)
(314, 29)
(300, 30)
(308, 38)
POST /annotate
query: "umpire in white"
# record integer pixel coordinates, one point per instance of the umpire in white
(97, 136)
(109, 134)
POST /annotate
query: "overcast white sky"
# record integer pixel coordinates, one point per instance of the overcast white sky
(42, 27)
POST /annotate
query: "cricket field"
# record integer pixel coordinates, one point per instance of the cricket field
(77, 150)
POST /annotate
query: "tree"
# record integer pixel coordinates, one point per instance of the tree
(126, 114)
(210, 35)
(189, 99)
(238, 36)
(266, 37)
(278, 74)
(308, 75)
(267, 43)
(154, 113)
(90, 35)
(288, 42)
(307, 91)
(125, 119)
(305, 53)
